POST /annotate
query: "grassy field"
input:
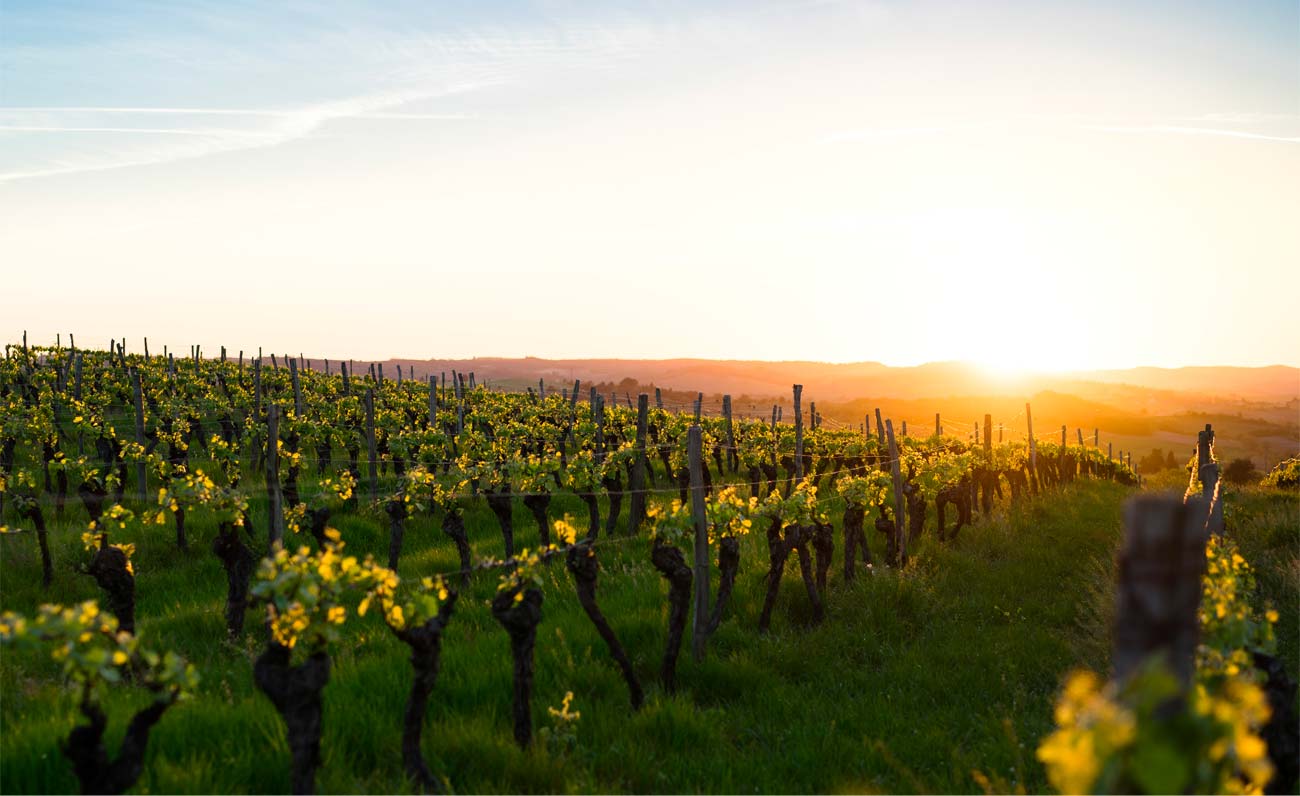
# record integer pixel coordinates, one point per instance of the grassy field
(914, 681)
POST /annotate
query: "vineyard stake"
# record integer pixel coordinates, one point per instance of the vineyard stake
(900, 502)
(636, 510)
(275, 529)
(297, 388)
(700, 627)
(372, 466)
(798, 433)
(1159, 591)
(139, 433)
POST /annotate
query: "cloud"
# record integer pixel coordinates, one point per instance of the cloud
(1166, 129)
(283, 126)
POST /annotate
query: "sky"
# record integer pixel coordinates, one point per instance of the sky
(1028, 185)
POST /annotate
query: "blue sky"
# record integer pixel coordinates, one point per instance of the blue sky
(520, 160)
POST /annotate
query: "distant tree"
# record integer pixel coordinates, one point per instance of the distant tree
(1240, 471)
(1170, 463)
(1153, 462)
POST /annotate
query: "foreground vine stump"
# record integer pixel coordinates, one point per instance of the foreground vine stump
(238, 561)
(582, 563)
(519, 611)
(670, 562)
(425, 641)
(296, 693)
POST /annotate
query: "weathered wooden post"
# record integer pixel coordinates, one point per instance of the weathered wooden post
(659, 398)
(938, 427)
(257, 384)
(880, 429)
(700, 626)
(1033, 445)
(433, 400)
(699, 404)
(988, 437)
(900, 501)
(1161, 565)
(636, 509)
(732, 457)
(140, 473)
(275, 524)
(297, 388)
(798, 433)
(371, 455)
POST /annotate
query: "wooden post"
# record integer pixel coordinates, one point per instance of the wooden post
(297, 388)
(732, 457)
(372, 457)
(1063, 437)
(1033, 445)
(699, 404)
(988, 437)
(636, 509)
(1096, 438)
(880, 429)
(938, 427)
(798, 433)
(1158, 593)
(1110, 451)
(866, 427)
(904, 428)
(699, 630)
(573, 397)
(140, 473)
(598, 411)
(900, 502)
(146, 348)
(433, 401)
(812, 416)
(257, 384)
(659, 398)
(999, 433)
(275, 524)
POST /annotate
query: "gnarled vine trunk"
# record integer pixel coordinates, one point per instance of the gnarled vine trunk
(670, 562)
(296, 693)
(85, 748)
(581, 561)
(520, 618)
(425, 642)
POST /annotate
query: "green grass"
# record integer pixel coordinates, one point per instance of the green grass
(914, 680)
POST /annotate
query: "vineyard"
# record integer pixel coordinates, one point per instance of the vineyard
(270, 576)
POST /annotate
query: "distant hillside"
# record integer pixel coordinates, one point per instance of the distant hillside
(1156, 389)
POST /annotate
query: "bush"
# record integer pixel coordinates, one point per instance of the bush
(1240, 472)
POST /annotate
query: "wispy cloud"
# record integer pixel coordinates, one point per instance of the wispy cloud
(285, 125)
(1167, 129)
(1028, 123)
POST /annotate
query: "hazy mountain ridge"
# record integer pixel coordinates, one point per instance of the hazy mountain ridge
(1129, 388)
